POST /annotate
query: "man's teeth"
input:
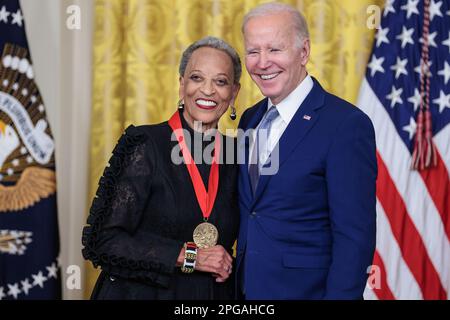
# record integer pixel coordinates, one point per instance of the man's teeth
(206, 103)
(268, 76)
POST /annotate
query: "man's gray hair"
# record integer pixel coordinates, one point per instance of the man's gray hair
(267, 9)
(216, 43)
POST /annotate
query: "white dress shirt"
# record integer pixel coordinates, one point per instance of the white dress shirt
(287, 109)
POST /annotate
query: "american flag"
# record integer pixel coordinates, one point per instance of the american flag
(412, 258)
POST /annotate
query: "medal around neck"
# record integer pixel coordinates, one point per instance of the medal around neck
(205, 235)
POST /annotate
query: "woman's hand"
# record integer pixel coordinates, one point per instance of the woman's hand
(215, 260)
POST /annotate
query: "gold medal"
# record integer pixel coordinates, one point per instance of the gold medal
(205, 235)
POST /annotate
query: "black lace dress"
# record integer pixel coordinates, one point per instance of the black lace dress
(144, 210)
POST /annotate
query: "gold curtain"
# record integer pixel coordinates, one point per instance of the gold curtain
(138, 43)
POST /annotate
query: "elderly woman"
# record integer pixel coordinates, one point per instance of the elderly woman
(164, 220)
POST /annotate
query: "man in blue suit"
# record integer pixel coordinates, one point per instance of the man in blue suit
(307, 191)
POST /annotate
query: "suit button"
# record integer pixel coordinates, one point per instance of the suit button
(112, 279)
(253, 214)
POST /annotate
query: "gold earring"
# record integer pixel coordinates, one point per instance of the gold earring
(233, 113)
(180, 104)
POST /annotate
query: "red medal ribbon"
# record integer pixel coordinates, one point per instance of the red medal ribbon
(205, 199)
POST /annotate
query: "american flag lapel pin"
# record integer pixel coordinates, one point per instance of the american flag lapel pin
(306, 117)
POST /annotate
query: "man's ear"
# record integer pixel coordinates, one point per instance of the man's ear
(306, 49)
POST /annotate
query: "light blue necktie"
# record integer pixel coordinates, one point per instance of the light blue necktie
(261, 141)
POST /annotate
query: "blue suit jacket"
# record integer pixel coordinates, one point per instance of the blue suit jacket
(309, 230)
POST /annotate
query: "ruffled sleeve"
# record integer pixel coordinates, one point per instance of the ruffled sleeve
(113, 239)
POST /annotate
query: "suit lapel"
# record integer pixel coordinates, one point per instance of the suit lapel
(257, 115)
(303, 120)
(254, 119)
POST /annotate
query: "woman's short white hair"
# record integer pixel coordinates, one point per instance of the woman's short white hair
(267, 9)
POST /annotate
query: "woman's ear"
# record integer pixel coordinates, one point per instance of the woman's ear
(181, 88)
(236, 88)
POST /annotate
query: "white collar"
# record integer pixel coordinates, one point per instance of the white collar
(289, 106)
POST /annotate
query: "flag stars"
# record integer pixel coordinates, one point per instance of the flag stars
(28, 236)
(431, 41)
(406, 36)
(17, 18)
(52, 271)
(15, 162)
(33, 99)
(399, 67)
(26, 286)
(24, 92)
(12, 249)
(14, 290)
(4, 15)
(410, 8)
(41, 108)
(415, 99)
(381, 36)
(443, 101)
(23, 150)
(395, 96)
(445, 72)
(389, 7)
(435, 9)
(376, 64)
(39, 279)
(5, 82)
(10, 171)
(411, 128)
(15, 86)
(29, 159)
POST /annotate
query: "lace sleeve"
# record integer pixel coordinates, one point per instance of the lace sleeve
(112, 238)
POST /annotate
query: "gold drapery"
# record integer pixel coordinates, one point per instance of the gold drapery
(138, 43)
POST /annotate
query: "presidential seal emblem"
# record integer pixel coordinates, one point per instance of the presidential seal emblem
(26, 144)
